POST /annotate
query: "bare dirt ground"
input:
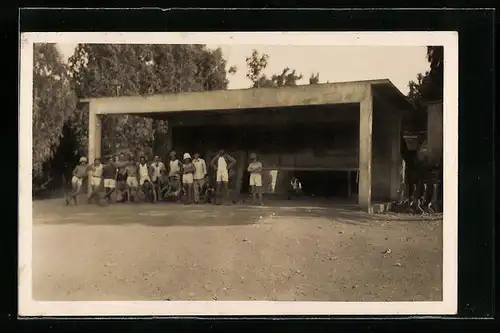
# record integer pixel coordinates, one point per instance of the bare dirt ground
(284, 251)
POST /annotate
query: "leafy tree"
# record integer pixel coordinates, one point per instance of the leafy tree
(124, 69)
(314, 78)
(257, 63)
(53, 103)
(429, 86)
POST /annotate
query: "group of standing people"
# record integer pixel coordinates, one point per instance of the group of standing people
(187, 179)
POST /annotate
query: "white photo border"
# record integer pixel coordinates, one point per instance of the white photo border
(449, 39)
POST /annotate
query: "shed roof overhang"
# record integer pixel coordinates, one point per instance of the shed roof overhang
(254, 98)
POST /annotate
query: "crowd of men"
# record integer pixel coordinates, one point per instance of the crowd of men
(186, 180)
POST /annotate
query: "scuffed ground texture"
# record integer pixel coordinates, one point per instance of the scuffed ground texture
(283, 251)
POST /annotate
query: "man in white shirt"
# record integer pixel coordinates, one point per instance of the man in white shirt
(95, 180)
(156, 171)
(145, 178)
(199, 176)
(174, 173)
(255, 170)
(222, 163)
(295, 188)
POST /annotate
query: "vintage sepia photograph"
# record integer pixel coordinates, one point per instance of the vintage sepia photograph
(238, 173)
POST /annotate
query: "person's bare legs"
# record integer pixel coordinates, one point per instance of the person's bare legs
(226, 191)
(75, 191)
(260, 194)
(109, 192)
(153, 189)
(129, 193)
(157, 189)
(254, 194)
(196, 191)
(94, 194)
(218, 194)
(189, 193)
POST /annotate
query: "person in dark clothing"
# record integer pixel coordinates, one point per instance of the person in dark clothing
(109, 173)
(121, 179)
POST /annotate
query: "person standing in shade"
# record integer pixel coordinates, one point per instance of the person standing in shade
(145, 178)
(79, 174)
(188, 170)
(295, 189)
(95, 181)
(222, 163)
(156, 171)
(174, 174)
(121, 178)
(199, 176)
(255, 170)
(109, 173)
(132, 183)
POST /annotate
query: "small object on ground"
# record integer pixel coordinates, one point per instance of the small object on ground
(388, 251)
(397, 264)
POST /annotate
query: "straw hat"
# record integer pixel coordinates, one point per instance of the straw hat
(187, 155)
(83, 159)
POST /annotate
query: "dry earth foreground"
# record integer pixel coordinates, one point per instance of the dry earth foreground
(283, 251)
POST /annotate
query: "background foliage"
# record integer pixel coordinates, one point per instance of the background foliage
(53, 104)
(125, 70)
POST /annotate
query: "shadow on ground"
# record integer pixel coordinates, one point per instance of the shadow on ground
(54, 211)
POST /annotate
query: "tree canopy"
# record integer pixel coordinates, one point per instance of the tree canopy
(126, 69)
(429, 86)
(257, 63)
(53, 103)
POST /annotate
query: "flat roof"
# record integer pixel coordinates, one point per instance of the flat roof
(251, 98)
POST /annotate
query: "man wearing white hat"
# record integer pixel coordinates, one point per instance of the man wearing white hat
(188, 170)
(79, 173)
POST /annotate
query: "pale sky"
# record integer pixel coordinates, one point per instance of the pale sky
(400, 64)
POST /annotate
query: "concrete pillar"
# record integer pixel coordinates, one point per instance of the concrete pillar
(365, 151)
(395, 136)
(95, 134)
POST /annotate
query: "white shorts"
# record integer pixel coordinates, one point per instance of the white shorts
(256, 179)
(187, 178)
(75, 181)
(95, 181)
(222, 176)
(109, 183)
(143, 179)
(132, 182)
